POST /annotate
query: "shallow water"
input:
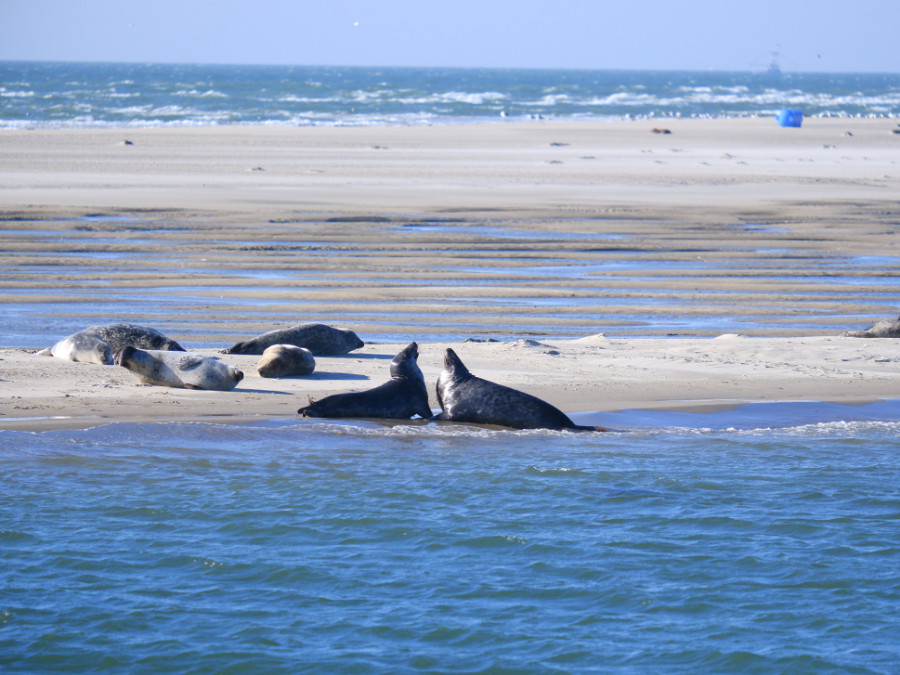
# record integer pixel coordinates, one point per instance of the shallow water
(58, 277)
(762, 539)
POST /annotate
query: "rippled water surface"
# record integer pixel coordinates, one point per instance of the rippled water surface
(724, 542)
(66, 95)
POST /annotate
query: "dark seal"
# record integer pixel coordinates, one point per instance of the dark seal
(121, 335)
(466, 398)
(318, 338)
(403, 396)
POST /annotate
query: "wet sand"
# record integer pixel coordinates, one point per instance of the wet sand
(542, 236)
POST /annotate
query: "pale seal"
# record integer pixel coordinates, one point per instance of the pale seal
(318, 338)
(466, 398)
(286, 361)
(886, 328)
(178, 369)
(403, 396)
(82, 346)
(120, 335)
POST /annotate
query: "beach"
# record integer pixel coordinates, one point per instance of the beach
(394, 221)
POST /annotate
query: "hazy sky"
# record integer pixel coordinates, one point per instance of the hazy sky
(815, 35)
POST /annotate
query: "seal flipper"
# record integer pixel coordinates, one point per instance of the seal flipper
(579, 427)
(190, 362)
(425, 413)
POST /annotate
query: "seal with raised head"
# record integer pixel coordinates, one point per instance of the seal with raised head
(187, 370)
(120, 335)
(886, 328)
(82, 346)
(318, 338)
(286, 361)
(403, 396)
(466, 398)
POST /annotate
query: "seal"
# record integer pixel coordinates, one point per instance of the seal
(466, 398)
(285, 361)
(120, 335)
(187, 370)
(403, 396)
(82, 346)
(318, 338)
(886, 328)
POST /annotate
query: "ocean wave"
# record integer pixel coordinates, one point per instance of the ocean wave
(36, 95)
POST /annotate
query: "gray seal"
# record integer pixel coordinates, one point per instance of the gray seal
(318, 338)
(403, 396)
(285, 361)
(120, 335)
(82, 346)
(99, 344)
(187, 370)
(466, 398)
(886, 328)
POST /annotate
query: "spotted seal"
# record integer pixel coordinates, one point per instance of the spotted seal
(120, 335)
(82, 346)
(178, 369)
(466, 398)
(285, 361)
(318, 338)
(403, 396)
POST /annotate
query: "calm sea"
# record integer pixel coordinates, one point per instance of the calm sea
(65, 95)
(760, 540)
(699, 543)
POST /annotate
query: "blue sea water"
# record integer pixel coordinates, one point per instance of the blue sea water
(722, 542)
(67, 95)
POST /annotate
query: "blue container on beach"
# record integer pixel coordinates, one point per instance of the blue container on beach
(789, 118)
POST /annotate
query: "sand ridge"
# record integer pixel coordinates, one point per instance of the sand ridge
(540, 235)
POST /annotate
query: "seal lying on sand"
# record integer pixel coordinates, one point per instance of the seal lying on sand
(402, 397)
(178, 369)
(881, 329)
(98, 344)
(285, 361)
(120, 335)
(466, 398)
(82, 346)
(318, 338)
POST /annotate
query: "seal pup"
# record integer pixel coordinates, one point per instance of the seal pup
(318, 338)
(82, 346)
(285, 361)
(466, 398)
(403, 396)
(119, 335)
(168, 368)
(886, 328)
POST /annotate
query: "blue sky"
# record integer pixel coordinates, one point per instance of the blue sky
(815, 35)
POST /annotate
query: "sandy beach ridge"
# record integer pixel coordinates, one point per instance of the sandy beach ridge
(815, 208)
